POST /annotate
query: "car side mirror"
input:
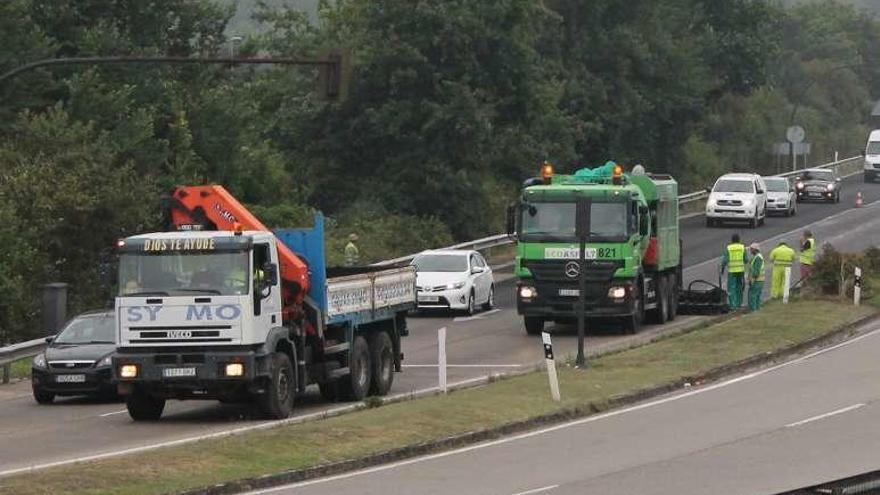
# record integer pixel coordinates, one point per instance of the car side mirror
(50, 339)
(477, 269)
(837, 179)
(708, 190)
(863, 152)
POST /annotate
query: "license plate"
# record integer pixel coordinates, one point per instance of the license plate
(429, 298)
(815, 194)
(569, 253)
(569, 292)
(70, 379)
(178, 372)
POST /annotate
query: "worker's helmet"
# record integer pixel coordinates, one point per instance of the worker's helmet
(352, 237)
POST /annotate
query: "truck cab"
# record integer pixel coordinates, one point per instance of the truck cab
(631, 248)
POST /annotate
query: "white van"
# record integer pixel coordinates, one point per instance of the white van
(872, 156)
(737, 197)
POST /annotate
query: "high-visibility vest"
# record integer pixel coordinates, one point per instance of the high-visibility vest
(736, 258)
(758, 259)
(808, 256)
(782, 255)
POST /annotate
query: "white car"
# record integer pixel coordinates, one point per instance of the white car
(781, 197)
(737, 197)
(454, 279)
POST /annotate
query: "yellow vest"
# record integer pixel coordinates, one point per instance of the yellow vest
(760, 276)
(782, 255)
(736, 258)
(808, 256)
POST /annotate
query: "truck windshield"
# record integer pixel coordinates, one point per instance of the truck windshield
(220, 273)
(556, 221)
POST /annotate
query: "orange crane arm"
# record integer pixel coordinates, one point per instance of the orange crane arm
(214, 208)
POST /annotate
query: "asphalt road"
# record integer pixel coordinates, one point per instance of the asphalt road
(489, 343)
(799, 424)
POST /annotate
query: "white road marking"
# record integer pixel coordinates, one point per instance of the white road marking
(114, 413)
(538, 490)
(462, 319)
(826, 415)
(534, 433)
(464, 366)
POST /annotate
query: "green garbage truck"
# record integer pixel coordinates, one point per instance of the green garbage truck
(629, 225)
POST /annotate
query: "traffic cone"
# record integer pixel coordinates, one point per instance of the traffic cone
(859, 202)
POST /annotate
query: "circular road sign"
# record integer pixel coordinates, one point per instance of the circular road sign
(795, 134)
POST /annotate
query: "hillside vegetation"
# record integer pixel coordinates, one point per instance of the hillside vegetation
(450, 106)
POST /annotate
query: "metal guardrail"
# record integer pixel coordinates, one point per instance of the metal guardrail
(31, 348)
(14, 352)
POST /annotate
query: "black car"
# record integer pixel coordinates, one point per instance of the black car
(818, 184)
(77, 360)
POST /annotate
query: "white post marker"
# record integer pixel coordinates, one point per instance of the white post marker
(551, 367)
(441, 358)
(857, 287)
(786, 285)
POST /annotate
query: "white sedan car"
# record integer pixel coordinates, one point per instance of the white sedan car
(454, 279)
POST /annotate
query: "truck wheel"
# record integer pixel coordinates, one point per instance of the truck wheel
(490, 301)
(661, 313)
(277, 401)
(382, 361)
(143, 406)
(534, 325)
(43, 397)
(356, 385)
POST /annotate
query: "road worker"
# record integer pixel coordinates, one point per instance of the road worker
(808, 254)
(352, 254)
(756, 277)
(782, 256)
(734, 260)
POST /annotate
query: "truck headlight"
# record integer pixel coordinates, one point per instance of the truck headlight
(617, 292)
(128, 371)
(40, 361)
(235, 369)
(528, 292)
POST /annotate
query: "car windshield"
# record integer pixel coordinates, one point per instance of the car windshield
(734, 186)
(220, 273)
(777, 185)
(873, 148)
(97, 329)
(441, 263)
(557, 220)
(823, 175)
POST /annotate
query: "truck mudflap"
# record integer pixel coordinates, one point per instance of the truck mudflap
(191, 374)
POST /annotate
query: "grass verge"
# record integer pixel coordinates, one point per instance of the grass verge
(396, 425)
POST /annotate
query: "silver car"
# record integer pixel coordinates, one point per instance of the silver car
(781, 197)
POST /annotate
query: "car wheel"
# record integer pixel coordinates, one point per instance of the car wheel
(753, 223)
(43, 397)
(490, 301)
(471, 308)
(709, 223)
(534, 324)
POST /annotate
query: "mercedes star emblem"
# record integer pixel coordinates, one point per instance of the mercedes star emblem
(572, 269)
